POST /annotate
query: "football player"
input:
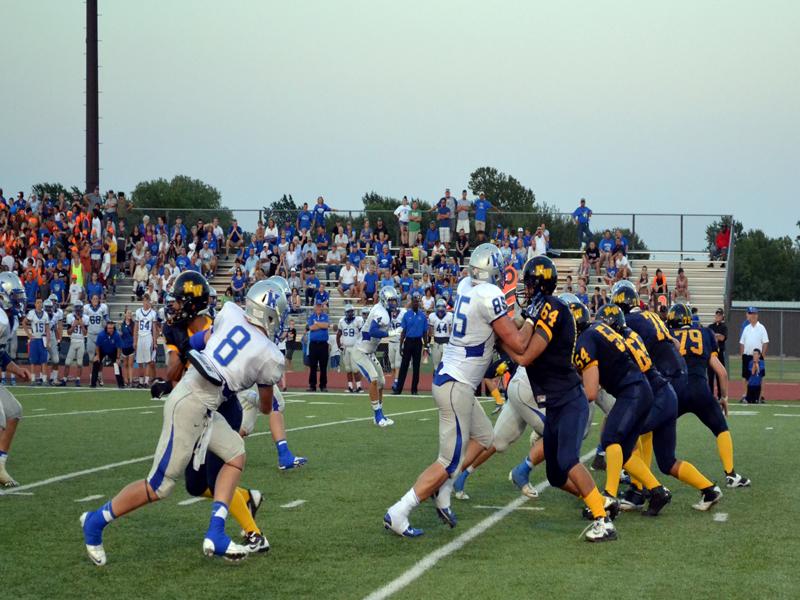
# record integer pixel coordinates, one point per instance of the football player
(440, 325)
(37, 328)
(698, 347)
(376, 327)
(660, 426)
(346, 337)
(556, 385)
(144, 340)
(480, 315)
(56, 315)
(238, 354)
(393, 345)
(77, 326)
(186, 317)
(12, 303)
(98, 315)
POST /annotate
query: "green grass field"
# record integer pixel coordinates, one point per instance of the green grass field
(333, 545)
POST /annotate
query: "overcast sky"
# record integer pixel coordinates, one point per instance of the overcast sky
(686, 106)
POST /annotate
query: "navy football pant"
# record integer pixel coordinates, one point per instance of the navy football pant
(625, 423)
(695, 397)
(563, 434)
(662, 421)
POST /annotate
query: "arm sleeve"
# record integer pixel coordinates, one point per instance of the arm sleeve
(376, 331)
(198, 340)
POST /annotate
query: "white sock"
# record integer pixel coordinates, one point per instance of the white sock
(358, 384)
(3, 459)
(349, 385)
(470, 469)
(403, 507)
(442, 497)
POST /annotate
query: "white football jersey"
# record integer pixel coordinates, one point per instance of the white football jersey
(145, 320)
(351, 331)
(38, 323)
(368, 344)
(80, 331)
(469, 352)
(441, 327)
(58, 316)
(5, 329)
(97, 317)
(394, 322)
(241, 352)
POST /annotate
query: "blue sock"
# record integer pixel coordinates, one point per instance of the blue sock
(378, 414)
(600, 449)
(3, 454)
(95, 522)
(526, 466)
(283, 450)
(216, 527)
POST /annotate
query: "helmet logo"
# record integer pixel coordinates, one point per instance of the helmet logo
(271, 300)
(495, 262)
(195, 289)
(542, 271)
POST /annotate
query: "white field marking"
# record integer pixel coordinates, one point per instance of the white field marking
(744, 413)
(146, 412)
(311, 416)
(430, 560)
(133, 461)
(293, 504)
(17, 493)
(39, 409)
(425, 419)
(88, 412)
(518, 508)
(769, 428)
(720, 517)
(67, 476)
(89, 498)
(594, 424)
(785, 415)
(189, 501)
(332, 403)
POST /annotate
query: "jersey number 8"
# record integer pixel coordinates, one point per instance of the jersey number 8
(227, 350)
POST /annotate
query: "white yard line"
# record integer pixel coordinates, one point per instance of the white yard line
(429, 561)
(89, 412)
(785, 415)
(189, 501)
(536, 508)
(67, 476)
(720, 517)
(89, 498)
(293, 504)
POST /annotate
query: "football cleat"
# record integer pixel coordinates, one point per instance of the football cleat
(709, 497)
(610, 504)
(384, 422)
(232, 551)
(600, 530)
(253, 504)
(447, 516)
(96, 552)
(6, 480)
(599, 462)
(632, 499)
(624, 477)
(256, 543)
(659, 498)
(294, 463)
(519, 478)
(403, 531)
(736, 481)
(461, 495)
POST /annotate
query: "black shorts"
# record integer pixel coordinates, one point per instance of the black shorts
(127, 351)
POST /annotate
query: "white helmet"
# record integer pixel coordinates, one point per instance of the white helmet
(486, 265)
(12, 294)
(282, 283)
(389, 298)
(266, 306)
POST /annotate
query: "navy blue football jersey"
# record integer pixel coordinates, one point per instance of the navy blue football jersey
(697, 346)
(658, 341)
(601, 346)
(552, 374)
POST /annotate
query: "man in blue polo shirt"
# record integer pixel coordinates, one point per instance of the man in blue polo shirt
(414, 326)
(235, 238)
(304, 219)
(317, 324)
(431, 237)
(581, 215)
(107, 346)
(482, 208)
(370, 284)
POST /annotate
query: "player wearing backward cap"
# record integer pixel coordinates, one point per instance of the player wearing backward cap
(480, 315)
(238, 354)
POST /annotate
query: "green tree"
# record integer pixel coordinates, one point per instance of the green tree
(503, 191)
(281, 210)
(378, 206)
(182, 196)
(54, 189)
(766, 268)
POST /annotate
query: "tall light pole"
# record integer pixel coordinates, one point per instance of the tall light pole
(92, 104)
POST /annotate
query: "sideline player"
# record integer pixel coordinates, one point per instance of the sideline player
(53, 343)
(440, 326)
(12, 302)
(556, 385)
(37, 328)
(98, 315)
(346, 338)
(376, 328)
(77, 326)
(698, 346)
(238, 354)
(464, 428)
(144, 340)
(393, 343)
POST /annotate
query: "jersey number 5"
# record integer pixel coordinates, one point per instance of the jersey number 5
(460, 319)
(227, 350)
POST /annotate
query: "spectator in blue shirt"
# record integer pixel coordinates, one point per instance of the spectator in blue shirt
(431, 237)
(581, 215)
(235, 238)
(365, 237)
(443, 216)
(312, 286)
(757, 373)
(58, 287)
(406, 283)
(370, 284)
(323, 243)
(620, 245)
(320, 211)
(356, 256)
(482, 208)
(107, 347)
(385, 259)
(178, 229)
(304, 219)
(322, 296)
(239, 284)
(606, 247)
(31, 286)
(387, 280)
(94, 287)
(289, 230)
